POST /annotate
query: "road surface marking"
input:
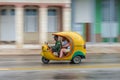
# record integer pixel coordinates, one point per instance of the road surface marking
(62, 67)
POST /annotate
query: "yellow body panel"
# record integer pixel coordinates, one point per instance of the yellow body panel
(77, 44)
(49, 55)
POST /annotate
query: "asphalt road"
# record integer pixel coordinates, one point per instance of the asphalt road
(95, 67)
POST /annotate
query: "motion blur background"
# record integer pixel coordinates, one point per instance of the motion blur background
(26, 24)
(32, 22)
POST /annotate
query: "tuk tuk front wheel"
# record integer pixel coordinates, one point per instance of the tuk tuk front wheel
(45, 61)
(76, 60)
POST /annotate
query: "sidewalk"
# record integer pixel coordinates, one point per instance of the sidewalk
(103, 48)
(36, 49)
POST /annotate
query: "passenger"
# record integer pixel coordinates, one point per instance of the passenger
(65, 47)
(57, 46)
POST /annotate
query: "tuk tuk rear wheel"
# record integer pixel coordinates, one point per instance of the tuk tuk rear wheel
(45, 61)
(76, 60)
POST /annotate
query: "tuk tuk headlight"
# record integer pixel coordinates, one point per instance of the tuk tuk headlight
(44, 48)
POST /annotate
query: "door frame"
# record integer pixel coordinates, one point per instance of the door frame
(8, 8)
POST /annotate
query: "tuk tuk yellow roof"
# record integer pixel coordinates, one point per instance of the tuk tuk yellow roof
(74, 36)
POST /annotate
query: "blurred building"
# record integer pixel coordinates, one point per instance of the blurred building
(33, 21)
(97, 20)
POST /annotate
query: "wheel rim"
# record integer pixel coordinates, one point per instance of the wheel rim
(45, 60)
(77, 59)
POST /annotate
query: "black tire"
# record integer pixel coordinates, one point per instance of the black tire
(45, 61)
(71, 62)
(76, 60)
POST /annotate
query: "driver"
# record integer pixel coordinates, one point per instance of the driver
(57, 46)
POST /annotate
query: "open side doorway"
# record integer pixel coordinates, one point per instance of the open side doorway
(31, 31)
(7, 25)
(54, 21)
(88, 32)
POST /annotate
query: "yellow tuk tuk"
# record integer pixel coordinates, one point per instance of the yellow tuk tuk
(76, 53)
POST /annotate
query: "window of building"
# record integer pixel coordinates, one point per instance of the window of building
(31, 20)
(78, 28)
(110, 31)
(12, 12)
(109, 10)
(109, 19)
(3, 12)
(52, 20)
(31, 12)
(52, 12)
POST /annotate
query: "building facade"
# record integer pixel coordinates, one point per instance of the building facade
(97, 20)
(33, 22)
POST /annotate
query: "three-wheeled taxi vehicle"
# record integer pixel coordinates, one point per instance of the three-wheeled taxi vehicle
(76, 53)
